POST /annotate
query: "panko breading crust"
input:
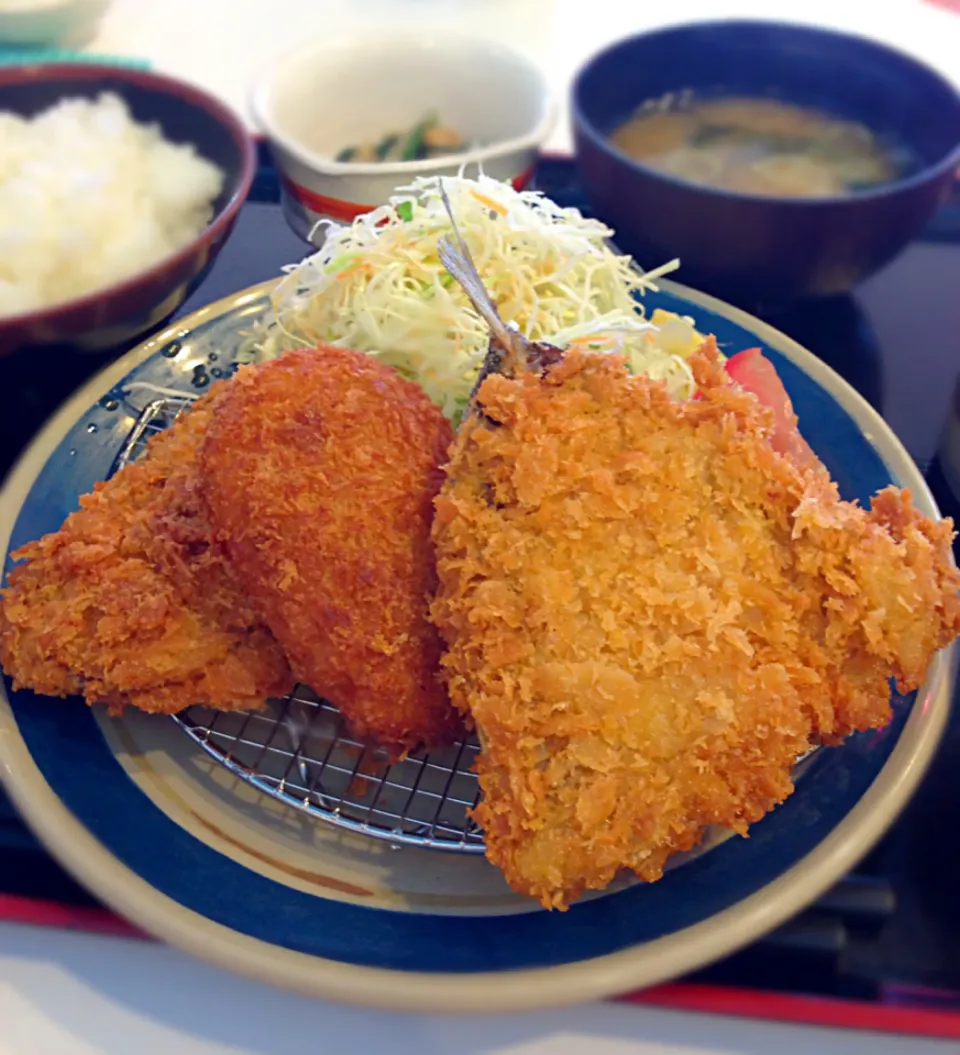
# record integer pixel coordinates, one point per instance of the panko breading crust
(650, 614)
(130, 602)
(320, 470)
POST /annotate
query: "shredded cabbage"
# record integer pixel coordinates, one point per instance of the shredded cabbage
(379, 287)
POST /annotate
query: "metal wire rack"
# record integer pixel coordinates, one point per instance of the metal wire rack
(297, 750)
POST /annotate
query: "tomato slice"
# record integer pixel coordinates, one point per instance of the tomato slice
(755, 373)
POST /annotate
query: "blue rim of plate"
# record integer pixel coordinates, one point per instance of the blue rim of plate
(61, 743)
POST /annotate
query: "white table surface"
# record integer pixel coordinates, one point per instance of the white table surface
(75, 994)
(220, 44)
(70, 994)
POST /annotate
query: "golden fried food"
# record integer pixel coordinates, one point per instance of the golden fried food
(650, 613)
(131, 603)
(320, 469)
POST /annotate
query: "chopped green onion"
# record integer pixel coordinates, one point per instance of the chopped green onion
(405, 211)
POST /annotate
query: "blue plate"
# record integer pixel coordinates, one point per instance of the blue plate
(179, 844)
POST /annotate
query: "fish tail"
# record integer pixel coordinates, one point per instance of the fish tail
(456, 258)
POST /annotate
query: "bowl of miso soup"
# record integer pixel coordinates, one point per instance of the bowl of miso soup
(775, 161)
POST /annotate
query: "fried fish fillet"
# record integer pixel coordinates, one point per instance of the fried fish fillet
(131, 602)
(320, 471)
(650, 613)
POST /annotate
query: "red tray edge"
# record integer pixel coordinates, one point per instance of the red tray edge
(877, 1017)
(885, 1017)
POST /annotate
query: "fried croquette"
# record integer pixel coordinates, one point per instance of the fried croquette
(320, 469)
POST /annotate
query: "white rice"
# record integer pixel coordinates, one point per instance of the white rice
(89, 197)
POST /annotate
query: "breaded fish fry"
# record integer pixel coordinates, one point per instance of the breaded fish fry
(650, 615)
(650, 612)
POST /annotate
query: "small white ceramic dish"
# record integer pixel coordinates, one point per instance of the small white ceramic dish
(338, 92)
(39, 22)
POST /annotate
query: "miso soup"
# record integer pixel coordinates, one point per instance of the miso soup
(760, 146)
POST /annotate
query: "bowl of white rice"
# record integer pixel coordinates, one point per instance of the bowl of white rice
(118, 188)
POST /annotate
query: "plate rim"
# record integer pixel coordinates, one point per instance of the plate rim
(80, 853)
